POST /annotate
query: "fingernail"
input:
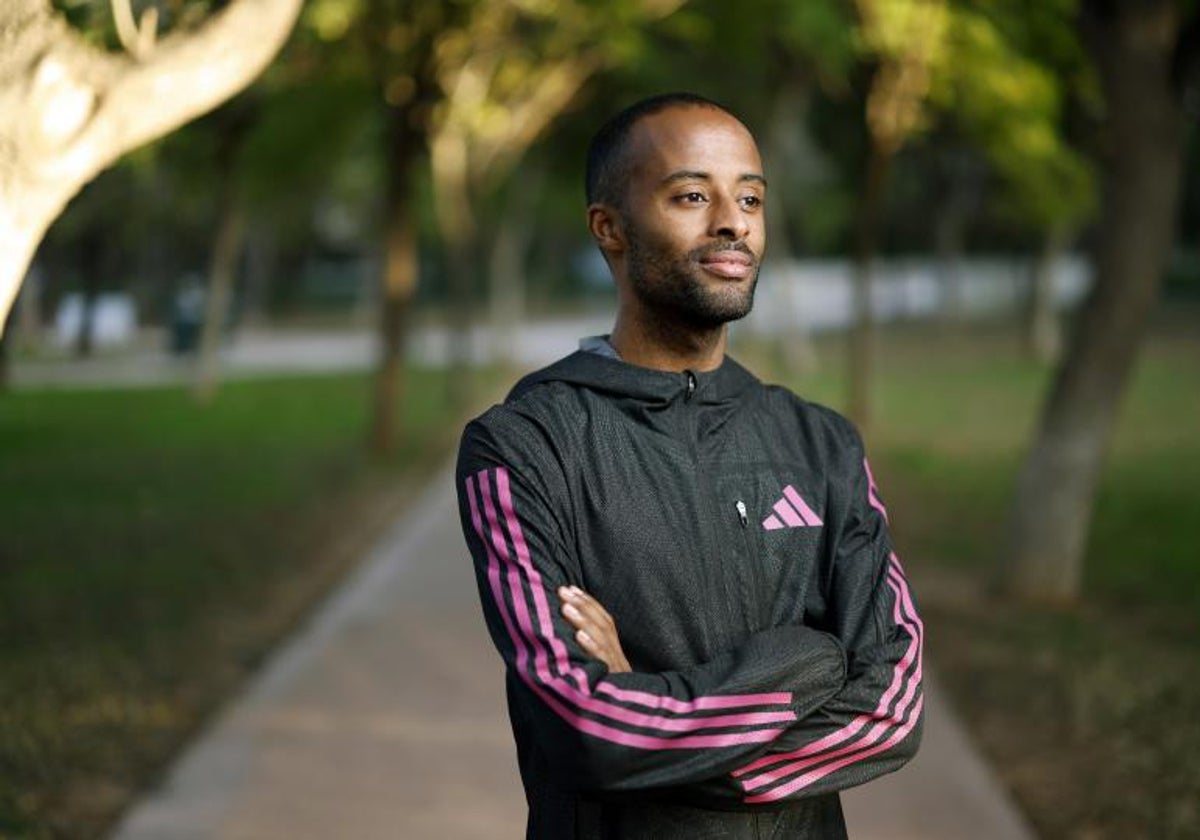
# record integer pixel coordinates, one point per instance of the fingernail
(583, 637)
(571, 611)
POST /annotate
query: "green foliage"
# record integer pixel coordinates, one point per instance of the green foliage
(332, 20)
(1008, 103)
(821, 36)
(300, 140)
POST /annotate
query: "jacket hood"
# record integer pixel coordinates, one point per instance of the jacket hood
(615, 378)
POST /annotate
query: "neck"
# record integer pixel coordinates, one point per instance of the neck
(660, 345)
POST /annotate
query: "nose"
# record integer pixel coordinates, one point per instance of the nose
(728, 219)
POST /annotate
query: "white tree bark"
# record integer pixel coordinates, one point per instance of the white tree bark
(69, 110)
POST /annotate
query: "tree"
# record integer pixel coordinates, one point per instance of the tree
(1143, 50)
(472, 84)
(1021, 64)
(505, 78)
(69, 109)
(906, 39)
(234, 125)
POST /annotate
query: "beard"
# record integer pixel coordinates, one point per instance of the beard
(675, 289)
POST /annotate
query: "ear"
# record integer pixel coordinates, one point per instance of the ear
(606, 227)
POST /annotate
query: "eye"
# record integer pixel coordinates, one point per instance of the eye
(693, 197)
(752, 202)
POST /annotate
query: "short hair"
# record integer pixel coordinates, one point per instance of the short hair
(607, 170)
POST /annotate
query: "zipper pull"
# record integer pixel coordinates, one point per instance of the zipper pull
(691, 385)
(741, 509)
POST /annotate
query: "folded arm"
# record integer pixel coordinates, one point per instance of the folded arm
(873, 724)
(602, 730)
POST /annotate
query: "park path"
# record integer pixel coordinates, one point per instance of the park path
(383, 718)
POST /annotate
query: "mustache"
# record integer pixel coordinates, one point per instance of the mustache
(720, 247)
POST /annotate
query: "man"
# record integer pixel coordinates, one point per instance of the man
(687, 573)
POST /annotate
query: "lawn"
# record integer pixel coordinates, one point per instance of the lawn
(152, 551)
(1091, 714)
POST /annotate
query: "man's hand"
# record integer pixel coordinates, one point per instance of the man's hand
(594, 628)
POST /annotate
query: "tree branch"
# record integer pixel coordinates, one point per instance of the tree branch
(127, 29)
(69, 110)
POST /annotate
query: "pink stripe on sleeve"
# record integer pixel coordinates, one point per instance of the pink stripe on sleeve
(858, 748)
(823, 749)
(561, 656)
(650, 742)
(873, 491)
(807, 779)
(580, 697)
(599, 730)
(702, 703)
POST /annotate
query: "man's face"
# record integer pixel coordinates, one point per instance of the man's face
(694, 222)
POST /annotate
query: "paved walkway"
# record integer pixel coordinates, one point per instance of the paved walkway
(383, 718)
(274, 351)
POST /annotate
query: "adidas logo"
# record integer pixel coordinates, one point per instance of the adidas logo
(791, 512)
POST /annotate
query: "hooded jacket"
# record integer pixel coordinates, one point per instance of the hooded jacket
(736, 536)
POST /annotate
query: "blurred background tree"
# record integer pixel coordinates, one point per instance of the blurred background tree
(1145, 55)
(72, 106)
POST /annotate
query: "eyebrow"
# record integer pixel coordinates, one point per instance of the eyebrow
(693, 175)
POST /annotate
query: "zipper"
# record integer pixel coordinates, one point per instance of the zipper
(755, 601)
(691, 385)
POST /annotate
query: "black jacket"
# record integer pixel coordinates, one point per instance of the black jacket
(735, 534)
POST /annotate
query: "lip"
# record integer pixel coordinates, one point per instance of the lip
(733, 265)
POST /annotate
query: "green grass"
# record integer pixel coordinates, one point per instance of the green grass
(1091, 714)
(152, 550)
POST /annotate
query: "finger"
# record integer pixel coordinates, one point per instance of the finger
(594, 643)
(590, 607)
(588, 643)
(578, 596)
(572, 614)
(603, 637)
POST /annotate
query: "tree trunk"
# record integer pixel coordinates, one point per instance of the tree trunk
(398, 284)
(29, 311)
(508, 266)
(85, 339)
(949, 235)
(234, 123)
(961, 185)
(94, 264)
(68, 109)
(862, 339)
(457, 229)
(1043, 333)
(797, 350)
(226, 254)
(506, 270)
(1133, 45)
(262, 266)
